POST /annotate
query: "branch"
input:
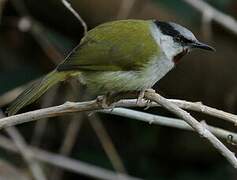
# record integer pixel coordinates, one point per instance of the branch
(229, 136)
(69, 7)
(40, 126)
(125, 8)
(201, 130)
(225, 20)
(68, 142)
(193, 106)
(107, 143)
(9, 96)
(70, 107)
(20, 143)
(66, 163)
(28, 24)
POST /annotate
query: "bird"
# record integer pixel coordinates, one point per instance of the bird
(119, 56)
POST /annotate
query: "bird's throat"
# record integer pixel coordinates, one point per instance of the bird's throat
(178, 57)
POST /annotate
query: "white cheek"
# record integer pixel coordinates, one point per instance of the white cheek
(166, 43)
(170, 47)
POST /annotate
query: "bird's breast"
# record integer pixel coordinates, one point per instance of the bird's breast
(156, 69)
(146, 77)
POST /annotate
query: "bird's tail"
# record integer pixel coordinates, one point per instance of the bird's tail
(37, 89)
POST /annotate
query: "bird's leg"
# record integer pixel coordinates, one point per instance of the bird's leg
(148, 101)
(148, 104)
(105, 100)
(141, 97)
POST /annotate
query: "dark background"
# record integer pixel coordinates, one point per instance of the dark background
(147, 151)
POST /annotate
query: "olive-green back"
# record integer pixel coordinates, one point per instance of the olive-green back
(114, 46)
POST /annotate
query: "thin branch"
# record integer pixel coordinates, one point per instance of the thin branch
(20, 143)
(107, 143)
(39, 34)
(223, 19)
(69, 7)
(71, 134)
(68, 142)
(65, 163)
(68, 107)
(193, 106)
(40, 126)
(9, 96)
(198, 127)
(229, 136)
(206, 25)
(28, 24)
(96, 105)
(71, 107)
(125, 8)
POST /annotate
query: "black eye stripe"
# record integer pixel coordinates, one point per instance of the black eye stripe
(166, 28)
(169, 30)
(182, 39)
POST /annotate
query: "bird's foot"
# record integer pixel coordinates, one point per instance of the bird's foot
(140, 98)
(150, 90)
(148, 104)
(105, 101)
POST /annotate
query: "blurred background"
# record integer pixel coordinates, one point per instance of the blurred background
(35, 36)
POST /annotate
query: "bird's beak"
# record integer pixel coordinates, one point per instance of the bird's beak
(202, 46)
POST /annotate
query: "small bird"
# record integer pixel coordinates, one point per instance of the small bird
(119, 56)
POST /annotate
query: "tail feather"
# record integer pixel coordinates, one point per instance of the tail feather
(36, 90)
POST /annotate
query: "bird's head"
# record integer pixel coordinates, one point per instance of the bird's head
(176, 40)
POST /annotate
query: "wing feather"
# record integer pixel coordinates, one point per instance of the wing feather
(115, 46)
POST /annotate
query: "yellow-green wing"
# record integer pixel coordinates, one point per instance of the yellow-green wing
(114, 46)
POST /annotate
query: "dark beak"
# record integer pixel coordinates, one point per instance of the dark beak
(202, 46)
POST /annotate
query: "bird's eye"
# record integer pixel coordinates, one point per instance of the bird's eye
(178, 38)
(181, 39)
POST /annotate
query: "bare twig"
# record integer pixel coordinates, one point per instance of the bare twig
(28, 24)
(193, 106)
(96, 105)
(65, 163)
(198, 127)
(70, 107)
(71, 134)
(229, 136)
(9, 96)
(206, 25)
(63, 109)
(199, 107)
(223, 19)
(68, 142)
(12, 172)
(40, 126)
(69, 7)
(125, 8)
(20, 143)
(107, 143)
(39, 34)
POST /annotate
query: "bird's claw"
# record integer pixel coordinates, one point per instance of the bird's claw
(104, 101)
(141, 97)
